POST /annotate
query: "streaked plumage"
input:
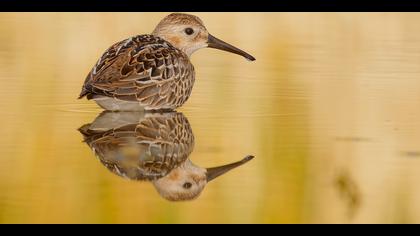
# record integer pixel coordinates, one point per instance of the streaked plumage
(151, 72)
(143, 69)
(152, 147)
(140, 146)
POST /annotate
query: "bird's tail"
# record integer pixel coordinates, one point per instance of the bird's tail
(83, 93)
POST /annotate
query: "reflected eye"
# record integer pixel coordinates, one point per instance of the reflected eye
(187, 185)
(189, 31)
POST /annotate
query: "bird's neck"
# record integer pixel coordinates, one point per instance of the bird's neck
(178, 43)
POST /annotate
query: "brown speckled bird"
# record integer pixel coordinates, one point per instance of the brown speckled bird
(152, 72)
(152, 147)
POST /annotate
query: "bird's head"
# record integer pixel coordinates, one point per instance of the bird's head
(187, 181)
(188, 33)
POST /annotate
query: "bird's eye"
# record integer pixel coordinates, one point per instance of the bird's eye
(189, 31)
(187, 185)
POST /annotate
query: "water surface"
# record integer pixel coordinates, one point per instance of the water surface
(330, 109)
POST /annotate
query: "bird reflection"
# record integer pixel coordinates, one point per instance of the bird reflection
(152, 147)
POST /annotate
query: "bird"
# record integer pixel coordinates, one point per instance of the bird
(153, 147)
(152, 71)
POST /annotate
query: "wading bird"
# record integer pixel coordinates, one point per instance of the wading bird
(152, 71)
(152, 147)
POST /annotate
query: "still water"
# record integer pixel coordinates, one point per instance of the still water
(330, 110)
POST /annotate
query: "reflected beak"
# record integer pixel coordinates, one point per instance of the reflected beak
(214, 42)
(215, 172)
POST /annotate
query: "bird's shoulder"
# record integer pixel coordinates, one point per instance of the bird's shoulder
(162, 140)
(144, 55)
(136, 61)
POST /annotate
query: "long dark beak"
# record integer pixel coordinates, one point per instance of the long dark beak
(214, 42)
(215, 172)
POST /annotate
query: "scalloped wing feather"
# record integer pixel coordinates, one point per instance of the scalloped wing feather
(163, 141)
(146, 69)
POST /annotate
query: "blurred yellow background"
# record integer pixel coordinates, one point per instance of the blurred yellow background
(330, 109)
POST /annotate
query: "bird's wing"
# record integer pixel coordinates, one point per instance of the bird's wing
(142, 68)
(162, 141)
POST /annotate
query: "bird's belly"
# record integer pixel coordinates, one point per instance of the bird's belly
(112, 104)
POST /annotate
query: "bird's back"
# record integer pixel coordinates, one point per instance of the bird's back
(143, 150)
(144, 69)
